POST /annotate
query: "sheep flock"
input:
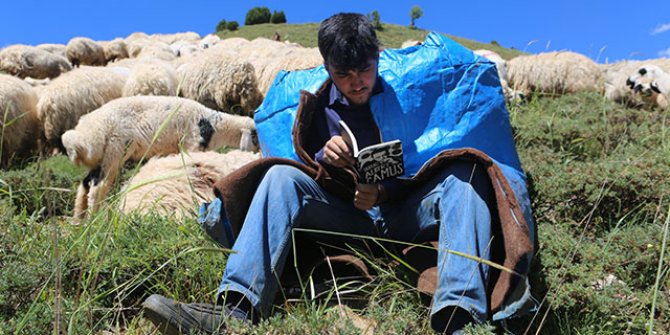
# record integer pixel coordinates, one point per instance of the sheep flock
(168, 101)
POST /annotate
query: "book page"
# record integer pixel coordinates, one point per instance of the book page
(349, 138)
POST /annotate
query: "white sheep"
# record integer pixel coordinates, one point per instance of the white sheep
(176, 185)
(54, 48)
(74, 94)
(208, 41)
(19, 127)
(409, 43)
(151, 77)
(616, 74)
(114, 50)
(85, 51)
(220, 82)
(135, 128)
(652, 83)
(501, 67)
(28, 61)
(554, 73)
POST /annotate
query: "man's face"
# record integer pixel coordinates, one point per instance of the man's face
(355, 85)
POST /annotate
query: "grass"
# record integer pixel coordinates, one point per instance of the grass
(599, 186)
(392, 36)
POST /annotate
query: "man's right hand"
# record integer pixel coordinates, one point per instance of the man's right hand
(336, 152)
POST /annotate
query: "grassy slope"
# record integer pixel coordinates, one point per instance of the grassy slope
(599, 184)
(392, 36)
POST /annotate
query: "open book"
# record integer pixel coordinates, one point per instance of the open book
(376, 162)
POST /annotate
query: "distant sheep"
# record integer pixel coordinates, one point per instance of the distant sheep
(409, 43)
(176, 185)
(220, 82)
(20, 128)
(114, 50)
(554, 73)
(28, 61)
(151, 77)
(209, 41)
(653, 83)
(616, 75)
(158, 50)
(85, 51)
(501, 67)
(269, 57)
(56, 49)
(140, 127)
(74, 94)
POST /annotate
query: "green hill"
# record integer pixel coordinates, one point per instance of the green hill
(392, 36)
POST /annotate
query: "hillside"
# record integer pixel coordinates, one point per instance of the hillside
(392, 36)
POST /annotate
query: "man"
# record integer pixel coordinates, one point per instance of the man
(453, 201)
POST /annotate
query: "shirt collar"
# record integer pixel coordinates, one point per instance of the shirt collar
(336, 96)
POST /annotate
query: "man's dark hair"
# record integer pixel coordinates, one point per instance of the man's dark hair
(348, 41)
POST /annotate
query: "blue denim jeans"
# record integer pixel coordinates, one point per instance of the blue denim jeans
(453, 207)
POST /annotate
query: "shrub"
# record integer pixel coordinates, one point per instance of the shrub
(278, 17)
(257, 15)
(232, 25)
(221, 26)
(376, 20)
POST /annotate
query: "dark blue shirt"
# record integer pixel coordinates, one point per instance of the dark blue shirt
(360, 121)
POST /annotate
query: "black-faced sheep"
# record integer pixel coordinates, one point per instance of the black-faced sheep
(136, 128)
(176, 185)
(19, 127)
(28, 61)
(78, 92)
(652, 83)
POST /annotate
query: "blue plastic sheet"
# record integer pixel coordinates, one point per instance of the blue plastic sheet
(436, 96)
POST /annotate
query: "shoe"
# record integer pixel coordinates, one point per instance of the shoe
(451, 320)
(175, 318)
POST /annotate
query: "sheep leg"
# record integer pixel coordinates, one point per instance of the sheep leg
(83, 192)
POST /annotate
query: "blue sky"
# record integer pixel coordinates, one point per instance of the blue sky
(602, 30)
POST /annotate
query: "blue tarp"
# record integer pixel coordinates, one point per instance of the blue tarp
(436, 96)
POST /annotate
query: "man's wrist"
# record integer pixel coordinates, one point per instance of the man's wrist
(381, 194)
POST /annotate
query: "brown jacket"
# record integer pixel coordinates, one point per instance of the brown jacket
(512, 243)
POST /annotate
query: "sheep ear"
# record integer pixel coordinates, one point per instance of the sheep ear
(642, 71)
(654, 87)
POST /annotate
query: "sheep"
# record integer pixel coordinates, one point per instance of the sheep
(151, 77)
(220, 82)
(85, 51)
(20, 128)
(209, 41)
(184, 48)
(653, 83)
(158, 50)
(171, 38)
(501, 67)
(135, 128)
(74, 94)
(409, 43)
(269, 57)
(615, 75)
(114, 50)
(56, 49)
(176, 185)
(28, 61)
(554, 73)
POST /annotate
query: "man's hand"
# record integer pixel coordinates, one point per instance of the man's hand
(337, 153)
(366, 196)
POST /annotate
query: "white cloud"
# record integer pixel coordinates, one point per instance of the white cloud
(661, 29)
(664, 53)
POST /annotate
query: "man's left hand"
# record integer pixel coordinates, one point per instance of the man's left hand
(366, 196)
